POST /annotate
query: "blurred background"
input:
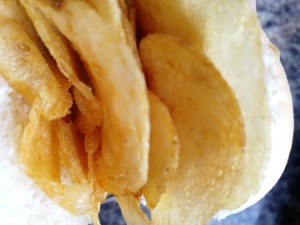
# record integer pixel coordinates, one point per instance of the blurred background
(280, 19)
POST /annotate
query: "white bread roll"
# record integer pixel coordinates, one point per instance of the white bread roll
(280, 103)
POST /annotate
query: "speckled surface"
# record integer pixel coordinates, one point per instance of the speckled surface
(281, 21)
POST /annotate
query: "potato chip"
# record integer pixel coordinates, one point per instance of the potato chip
(84, 123)
(228, 32)
(71, 151)
(88, 116)
(23, 66)
(205, 94)
(61, 79)
(121, 17)
(209, 125)
(131, 211)
(109, 11)
(75, 185)
(164, 151)
(67, 61)
(129, 25)
(39, 147)
(50, 151)
(12, 10)
(92, 143)
(169, 17)
(119, 84)
(76, 198)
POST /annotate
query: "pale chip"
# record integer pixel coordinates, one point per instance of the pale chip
(210, 129)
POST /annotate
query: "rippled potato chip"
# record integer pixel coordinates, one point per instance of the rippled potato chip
(164, 151)
(119, 84)
(24, 67)
(209, 125)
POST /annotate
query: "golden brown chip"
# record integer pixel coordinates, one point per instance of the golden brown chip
(131, 211)
(129, 25)
(73, 157)
(61, 79)
(89, 115)
(67, 62)
(76, 198)
(119, 84)
(75, 185)
(228, 32)
(51, 154)
(209, 125)
(164, 151)
(83, 123)
(39, 148)
(92, 143)
(12, 10)
(25, 69)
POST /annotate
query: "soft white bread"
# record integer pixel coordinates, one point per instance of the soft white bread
(282, 124)
(22, 202)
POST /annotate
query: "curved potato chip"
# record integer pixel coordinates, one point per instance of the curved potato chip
(131, 211)
(129, 25)
(164, 151)
(121, 16)
(119, 84)
(228, 32)
(76, 198)
(209, 125)
(88, 116)
(39, 147)
(75, 184)
(71, 151)
(25, 69)
(52, 158)
(12, 10)
(67, 61)
(92, 142)
(84, 124)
